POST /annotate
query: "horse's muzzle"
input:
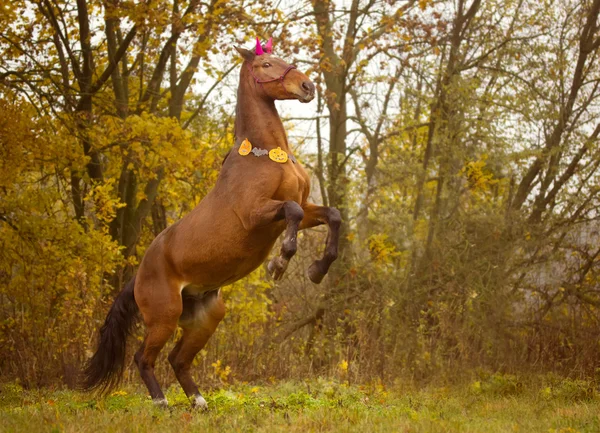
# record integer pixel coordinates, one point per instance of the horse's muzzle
(309, 91)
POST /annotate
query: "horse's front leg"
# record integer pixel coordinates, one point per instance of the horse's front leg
(293, 214)
(271, 211)
(315, 216)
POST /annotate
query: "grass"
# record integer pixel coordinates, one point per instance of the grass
(495, 403)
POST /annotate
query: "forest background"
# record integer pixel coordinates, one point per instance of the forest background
(460, 140)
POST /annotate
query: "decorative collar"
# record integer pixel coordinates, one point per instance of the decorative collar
(276, 155)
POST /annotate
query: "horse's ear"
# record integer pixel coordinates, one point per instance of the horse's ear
(246, 54)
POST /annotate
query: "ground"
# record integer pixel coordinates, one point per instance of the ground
(495, 403)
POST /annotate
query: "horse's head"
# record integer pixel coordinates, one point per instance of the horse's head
(278, 79)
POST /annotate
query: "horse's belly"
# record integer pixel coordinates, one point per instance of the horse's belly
(210, 269)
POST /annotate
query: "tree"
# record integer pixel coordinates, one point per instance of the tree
(104, 75)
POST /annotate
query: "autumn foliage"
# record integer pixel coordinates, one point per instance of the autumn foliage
(459, 139)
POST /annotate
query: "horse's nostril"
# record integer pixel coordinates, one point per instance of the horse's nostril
(308, 86)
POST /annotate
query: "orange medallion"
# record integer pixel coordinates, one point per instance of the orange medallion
(245, 148)
(278, 155)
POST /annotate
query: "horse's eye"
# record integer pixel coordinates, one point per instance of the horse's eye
(266, 65)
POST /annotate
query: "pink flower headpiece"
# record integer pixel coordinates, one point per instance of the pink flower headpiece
(267, 49)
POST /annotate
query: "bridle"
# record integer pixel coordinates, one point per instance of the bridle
(280, 78)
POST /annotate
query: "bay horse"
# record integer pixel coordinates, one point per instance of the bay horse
(261, 191)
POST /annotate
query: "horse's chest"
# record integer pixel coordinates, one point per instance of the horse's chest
(294, 185)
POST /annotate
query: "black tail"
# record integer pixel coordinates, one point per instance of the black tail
(104, 370)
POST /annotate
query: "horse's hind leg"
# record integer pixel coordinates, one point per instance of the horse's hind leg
(201, 315)
(160, 306)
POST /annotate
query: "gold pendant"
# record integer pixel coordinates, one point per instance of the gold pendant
(245, 148)
(278, 155)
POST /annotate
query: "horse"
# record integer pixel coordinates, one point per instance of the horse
(261, 192)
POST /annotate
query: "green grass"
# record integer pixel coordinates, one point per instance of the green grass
(495, 403)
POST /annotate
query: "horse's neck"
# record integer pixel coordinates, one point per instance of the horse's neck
(256, 118)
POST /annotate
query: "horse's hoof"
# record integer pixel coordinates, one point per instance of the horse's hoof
(199, 403)
(277, 267)
(161, 402)
(314, 273)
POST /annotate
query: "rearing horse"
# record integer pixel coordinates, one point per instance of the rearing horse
(261, 192)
